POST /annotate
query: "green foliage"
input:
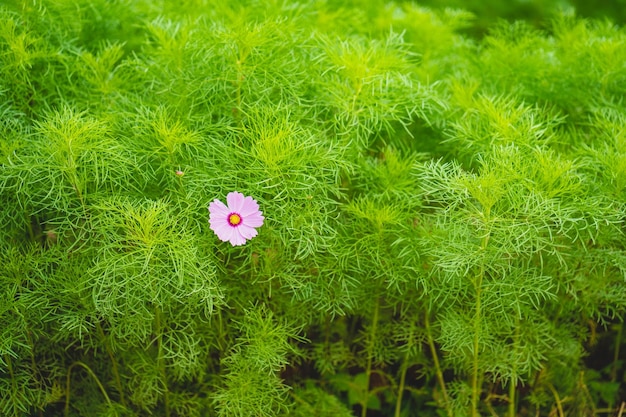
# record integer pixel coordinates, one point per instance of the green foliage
(444, 216)
(251, 383)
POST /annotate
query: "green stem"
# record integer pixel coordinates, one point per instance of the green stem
(368, 370)
(475, 365)
(13, 381)
(513, 384)
(239, 84)
(478, 283)
(357, 93)
(116, 373)
(31, 232)
(73, 180)
(512, 391)
(160, 364)
(33, 364)
(327, 331)
(557, 399)
(433, 352)
(403, 369)
(618, 340)
(68, 380)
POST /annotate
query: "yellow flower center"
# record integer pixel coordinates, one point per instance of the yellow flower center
(234, 219)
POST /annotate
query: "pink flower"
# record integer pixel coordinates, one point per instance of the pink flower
(236, 222)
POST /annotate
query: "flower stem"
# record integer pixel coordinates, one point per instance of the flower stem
(618, 340)
(68, 381)
(116, 373)
(33, 364)
(512, 391)
(368, 370)
(557, 399)
(433, 352)
(478, 282)
(160, 364)
(403, 369)
(513, 384)
(12, 376)
(475, 365)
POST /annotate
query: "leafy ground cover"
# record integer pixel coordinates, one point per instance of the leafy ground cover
(443, 216)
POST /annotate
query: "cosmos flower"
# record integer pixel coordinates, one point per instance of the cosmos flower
(237, 221)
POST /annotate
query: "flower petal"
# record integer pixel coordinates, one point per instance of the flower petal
(254, 220)
(218, 216)
(223, 230)
(248, 207)
(246, 231)
(235, 201)
(237, 238)
(218, 208)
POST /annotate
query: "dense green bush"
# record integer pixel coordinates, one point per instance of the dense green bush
(444, 216)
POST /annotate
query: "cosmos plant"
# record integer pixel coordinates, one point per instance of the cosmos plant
(442, 224)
